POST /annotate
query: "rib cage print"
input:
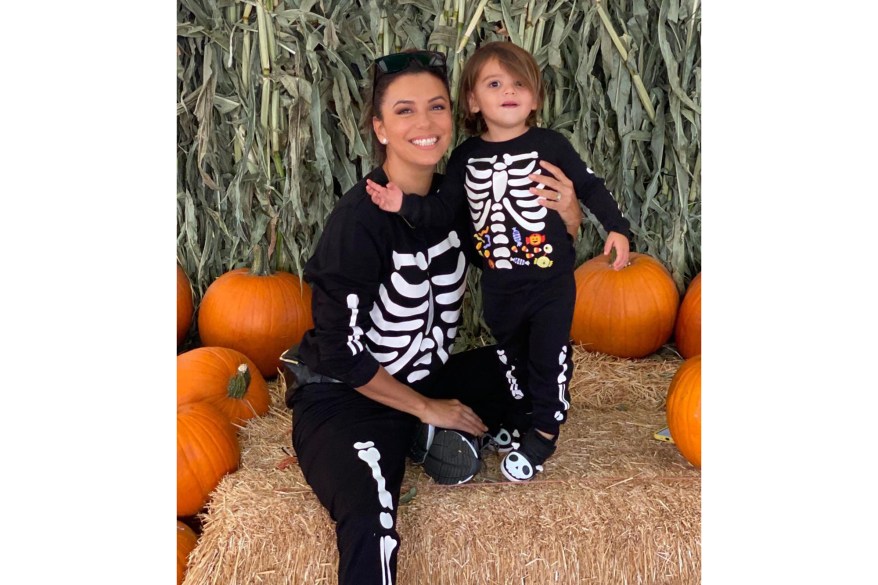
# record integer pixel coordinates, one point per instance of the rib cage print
(416, 314)
(507, 218)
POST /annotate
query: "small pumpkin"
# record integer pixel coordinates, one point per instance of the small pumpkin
(224, 378)
(687, 331)
(256, 311)
(627, 313)
(683, 409)
(207, 449)
(186, 541)
(185, 307)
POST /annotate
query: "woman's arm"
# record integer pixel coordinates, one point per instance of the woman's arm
(450, 414)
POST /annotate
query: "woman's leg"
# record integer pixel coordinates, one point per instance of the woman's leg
(352, 452)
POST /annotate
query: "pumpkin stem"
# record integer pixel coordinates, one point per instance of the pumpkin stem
(260, 266)
(239, 383)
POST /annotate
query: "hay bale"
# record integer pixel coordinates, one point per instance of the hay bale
(613, 506)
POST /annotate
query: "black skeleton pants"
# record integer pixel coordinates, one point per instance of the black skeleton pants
(532, 327)
(352, 451)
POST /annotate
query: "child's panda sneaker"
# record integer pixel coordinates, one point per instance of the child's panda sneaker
(526, 459)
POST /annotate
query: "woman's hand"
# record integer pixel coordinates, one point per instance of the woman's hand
(559, 195)
(453, 414)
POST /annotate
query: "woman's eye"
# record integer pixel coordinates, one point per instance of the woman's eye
(439, 107)
(403, 111)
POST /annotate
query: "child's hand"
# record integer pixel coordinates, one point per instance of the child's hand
(620, 243)
(387, 198)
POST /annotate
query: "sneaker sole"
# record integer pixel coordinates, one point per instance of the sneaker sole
(423, 442)
(452, 459)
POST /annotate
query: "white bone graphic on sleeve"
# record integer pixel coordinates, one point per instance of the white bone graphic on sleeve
(356, 332)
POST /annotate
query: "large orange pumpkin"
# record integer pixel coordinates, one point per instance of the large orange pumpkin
(627, 313)
(257, 312)
(683, 409)
(184, 304)
(687, 331)
(186, 541)
(207, 449)
(225, 378)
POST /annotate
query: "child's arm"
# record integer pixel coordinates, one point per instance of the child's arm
(439, 209)
(388, 198)
(621, 244)
(591, 190)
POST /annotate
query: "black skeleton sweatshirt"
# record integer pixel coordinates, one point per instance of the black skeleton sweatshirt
(384, 292)
(516, 238)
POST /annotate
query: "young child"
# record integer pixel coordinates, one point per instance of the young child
(527, 255)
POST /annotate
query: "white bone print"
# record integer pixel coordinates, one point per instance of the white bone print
(562, 383)
(503, 201)
(510, 376)
(418, 308)
(368, 453)
(356, 332)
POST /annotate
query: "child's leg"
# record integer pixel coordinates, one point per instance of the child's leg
(506, 315)
(550, 365)
(550, 357)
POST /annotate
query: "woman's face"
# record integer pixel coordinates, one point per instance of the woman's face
(415, 120)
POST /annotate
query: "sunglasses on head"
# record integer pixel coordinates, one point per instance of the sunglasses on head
(396, 62)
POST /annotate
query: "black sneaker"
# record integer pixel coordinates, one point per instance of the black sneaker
(526, 459)
(453, 457)
(421, 444)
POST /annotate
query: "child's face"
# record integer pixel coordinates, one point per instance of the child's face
(503, 100)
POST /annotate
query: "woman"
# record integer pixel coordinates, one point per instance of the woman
(386, 307)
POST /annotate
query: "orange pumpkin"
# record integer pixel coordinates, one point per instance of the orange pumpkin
(186, 541)
(683, 409)
(225, 378)
(687, 331)
(257, 312)
(207, 449)
(185, 305)
(627, 313)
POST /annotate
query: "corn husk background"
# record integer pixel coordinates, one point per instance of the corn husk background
(270, 98)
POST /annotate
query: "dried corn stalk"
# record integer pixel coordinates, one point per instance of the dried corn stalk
(269, 104)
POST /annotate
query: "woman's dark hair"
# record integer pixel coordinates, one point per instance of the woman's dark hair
(378, 87)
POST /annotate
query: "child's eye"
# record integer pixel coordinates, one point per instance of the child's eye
(519, 84)
(493, 84)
